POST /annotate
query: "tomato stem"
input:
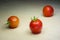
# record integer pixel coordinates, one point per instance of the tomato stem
(34, 18)
(8, 22)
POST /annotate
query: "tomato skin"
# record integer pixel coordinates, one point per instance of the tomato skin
(48, 11)
(13, 22)
(36, 26)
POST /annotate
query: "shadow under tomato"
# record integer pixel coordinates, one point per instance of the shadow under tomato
(4, 27)
(28, 32)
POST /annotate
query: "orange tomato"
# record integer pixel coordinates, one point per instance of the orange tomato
(13, 21)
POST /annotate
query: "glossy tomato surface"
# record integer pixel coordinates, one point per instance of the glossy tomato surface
(36, 26)
(48, 11)
(13, 21)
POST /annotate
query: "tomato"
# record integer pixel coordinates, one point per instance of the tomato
(13, 21)
(36, 26)
(48, 11)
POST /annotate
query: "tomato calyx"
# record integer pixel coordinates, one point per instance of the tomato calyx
(8, 22)
(34, 18)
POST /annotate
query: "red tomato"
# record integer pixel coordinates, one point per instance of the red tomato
(36, 26)
(13, 21)
(48, 11)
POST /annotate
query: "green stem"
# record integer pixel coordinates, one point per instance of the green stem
(8, 22)
(34, 18)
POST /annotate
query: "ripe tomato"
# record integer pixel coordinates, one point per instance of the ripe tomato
(36, 26)
(48, 11)
(13, 21)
